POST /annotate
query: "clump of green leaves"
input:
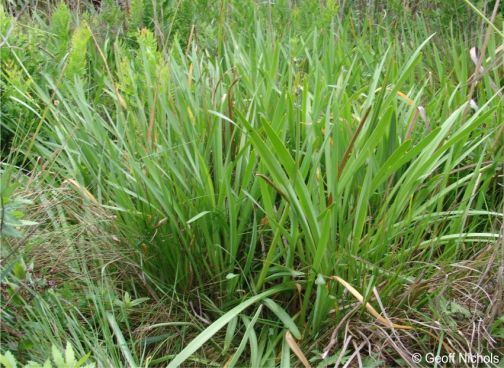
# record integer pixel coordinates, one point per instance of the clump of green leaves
(66, 359)
(291, 156)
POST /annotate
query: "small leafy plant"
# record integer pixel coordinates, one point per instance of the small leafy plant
(66, 359)
(11, 209)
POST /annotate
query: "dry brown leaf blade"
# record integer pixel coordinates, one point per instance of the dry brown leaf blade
(85, 193)
(296, 349)
(369, 307)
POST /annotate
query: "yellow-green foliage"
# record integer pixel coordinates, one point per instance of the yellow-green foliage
(144, 69)
(77, 60)
(14, 84)
(5, 21)
(67, 360)
(60, 27)
(136, 14)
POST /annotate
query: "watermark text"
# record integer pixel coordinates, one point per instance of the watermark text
(456, 358)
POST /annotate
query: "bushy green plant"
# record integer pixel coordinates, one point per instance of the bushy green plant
(76, 65)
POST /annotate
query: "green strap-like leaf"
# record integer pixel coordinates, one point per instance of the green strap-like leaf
(211, 330)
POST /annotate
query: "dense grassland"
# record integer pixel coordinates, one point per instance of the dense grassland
(248, 184)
